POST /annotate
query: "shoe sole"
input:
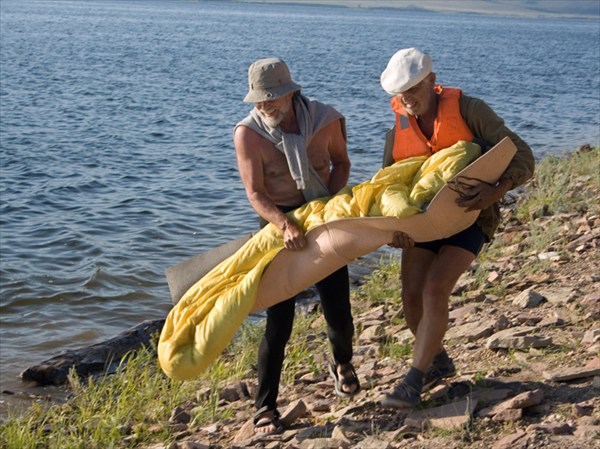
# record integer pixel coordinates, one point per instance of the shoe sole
(391, 402)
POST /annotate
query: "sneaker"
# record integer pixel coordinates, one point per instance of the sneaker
(403, 396)
(437, 371)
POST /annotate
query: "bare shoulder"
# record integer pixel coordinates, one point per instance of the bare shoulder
(330, 133)
(333, 128)
(246, 136)
(249, 143)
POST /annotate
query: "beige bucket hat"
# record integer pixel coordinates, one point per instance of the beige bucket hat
(269, 79)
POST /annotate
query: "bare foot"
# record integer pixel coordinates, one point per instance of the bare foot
(350, 383)
(268, 423)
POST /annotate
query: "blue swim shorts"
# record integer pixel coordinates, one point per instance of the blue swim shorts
(471, 239)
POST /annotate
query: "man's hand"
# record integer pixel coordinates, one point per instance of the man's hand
(401, 240)
(293, 236)
(482, 195)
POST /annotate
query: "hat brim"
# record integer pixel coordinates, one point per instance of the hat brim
(403, 86)
(259, 95)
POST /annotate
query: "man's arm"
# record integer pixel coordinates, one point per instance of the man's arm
(250, 165)
(340, 162)
(485, 124)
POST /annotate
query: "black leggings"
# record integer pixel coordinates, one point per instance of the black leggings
(334, 292)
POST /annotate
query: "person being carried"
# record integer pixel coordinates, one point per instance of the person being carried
(291, 150)
(430, 117)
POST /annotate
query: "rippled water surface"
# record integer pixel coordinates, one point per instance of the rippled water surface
(116, 134)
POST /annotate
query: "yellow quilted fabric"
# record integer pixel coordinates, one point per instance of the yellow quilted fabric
(204, 321)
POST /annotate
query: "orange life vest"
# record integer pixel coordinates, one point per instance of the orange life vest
(449, 127)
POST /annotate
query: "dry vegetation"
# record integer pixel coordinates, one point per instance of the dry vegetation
(548, 245)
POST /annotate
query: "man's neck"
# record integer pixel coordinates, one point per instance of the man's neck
(426, 121)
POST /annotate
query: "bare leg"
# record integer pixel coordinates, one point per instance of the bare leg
(415, 266)
(428, 280)
(442, 275)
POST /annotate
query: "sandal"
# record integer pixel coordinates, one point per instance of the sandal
(266, 417)
(347, 378)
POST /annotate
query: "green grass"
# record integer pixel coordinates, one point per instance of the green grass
(101, 411)
(383, 285)
(132, 407)
(561, 189)
(570, 184)
(578, 174)
(395, 351)
(304, 350)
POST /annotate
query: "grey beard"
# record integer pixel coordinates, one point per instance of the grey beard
(272, 122)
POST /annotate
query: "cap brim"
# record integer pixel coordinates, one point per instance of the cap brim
(395, 88)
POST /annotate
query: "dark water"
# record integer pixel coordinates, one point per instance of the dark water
(116, 133)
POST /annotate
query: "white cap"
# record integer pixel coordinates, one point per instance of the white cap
(407, 68)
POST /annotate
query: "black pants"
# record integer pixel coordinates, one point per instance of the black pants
(334, 292)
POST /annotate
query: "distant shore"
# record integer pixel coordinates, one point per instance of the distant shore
(544, 9)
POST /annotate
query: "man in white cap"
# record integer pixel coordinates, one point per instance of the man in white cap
(429, 117)
(291, 150)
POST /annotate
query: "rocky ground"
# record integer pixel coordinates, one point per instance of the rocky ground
(526, 346)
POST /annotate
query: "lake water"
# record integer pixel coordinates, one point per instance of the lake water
(116, 134)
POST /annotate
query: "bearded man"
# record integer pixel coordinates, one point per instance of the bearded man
(291, 150)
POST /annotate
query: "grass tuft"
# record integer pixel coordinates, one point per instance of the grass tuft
(132, 407)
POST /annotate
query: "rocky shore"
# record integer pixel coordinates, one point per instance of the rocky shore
(525, 340)
(524, 334)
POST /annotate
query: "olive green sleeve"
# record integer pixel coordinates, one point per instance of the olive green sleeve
(388, 148)
(485, 124)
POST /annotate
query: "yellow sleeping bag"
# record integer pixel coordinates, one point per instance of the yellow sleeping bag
(204, 321)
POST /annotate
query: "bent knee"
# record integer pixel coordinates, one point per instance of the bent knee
(412, 296)
(437, 290)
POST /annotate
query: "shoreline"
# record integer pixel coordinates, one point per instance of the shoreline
(519, 330)
(476, 7)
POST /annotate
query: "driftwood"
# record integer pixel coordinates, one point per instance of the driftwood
(95, 359)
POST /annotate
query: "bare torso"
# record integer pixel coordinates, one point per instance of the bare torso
(266, 176)
(278, 181)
